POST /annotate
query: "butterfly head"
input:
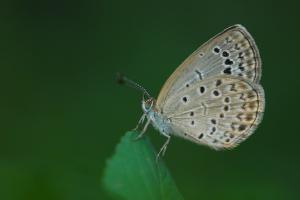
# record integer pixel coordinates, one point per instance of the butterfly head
(148, 104)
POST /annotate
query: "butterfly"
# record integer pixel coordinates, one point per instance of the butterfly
(213, 98)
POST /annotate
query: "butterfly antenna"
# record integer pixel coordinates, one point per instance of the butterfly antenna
(123, 80)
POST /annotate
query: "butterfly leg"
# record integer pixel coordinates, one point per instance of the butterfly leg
(144, 130)
(163, 149)
(141, 121)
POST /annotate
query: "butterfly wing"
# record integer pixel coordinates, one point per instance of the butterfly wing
(231, 52)
(219, 112)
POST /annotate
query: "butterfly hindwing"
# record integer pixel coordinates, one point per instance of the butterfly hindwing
(219, 112)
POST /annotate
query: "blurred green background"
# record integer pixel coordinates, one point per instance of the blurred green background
(62, 113)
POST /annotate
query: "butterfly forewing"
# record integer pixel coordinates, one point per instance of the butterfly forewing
(232, 52)
(219, 112)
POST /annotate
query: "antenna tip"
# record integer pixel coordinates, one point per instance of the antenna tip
(120, 78)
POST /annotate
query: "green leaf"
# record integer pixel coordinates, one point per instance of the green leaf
(133, 173)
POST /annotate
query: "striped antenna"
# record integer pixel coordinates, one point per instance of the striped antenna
(123, 80)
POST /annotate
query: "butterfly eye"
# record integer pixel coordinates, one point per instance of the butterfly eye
(147, 105)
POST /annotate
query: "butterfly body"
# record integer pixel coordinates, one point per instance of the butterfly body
(156, 118)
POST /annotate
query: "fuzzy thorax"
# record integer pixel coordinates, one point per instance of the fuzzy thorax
(158, 121)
